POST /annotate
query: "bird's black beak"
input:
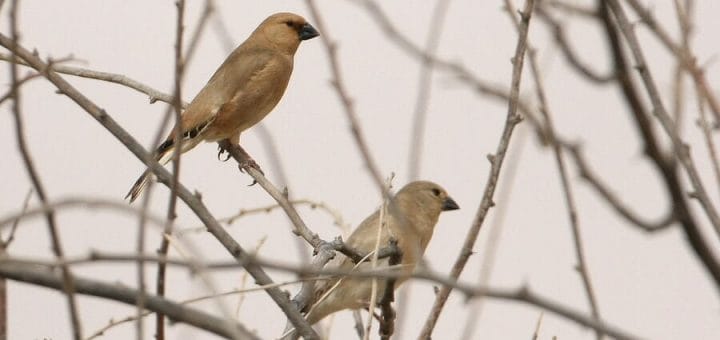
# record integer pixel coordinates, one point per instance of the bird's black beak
(307, 32)
(450, 204)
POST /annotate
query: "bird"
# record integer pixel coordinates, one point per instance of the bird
(241, 92)
(409, 219)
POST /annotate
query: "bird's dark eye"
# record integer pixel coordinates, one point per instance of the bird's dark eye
(436, 191)
(289, 23)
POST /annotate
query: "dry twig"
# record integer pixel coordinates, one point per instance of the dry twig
(496, 161)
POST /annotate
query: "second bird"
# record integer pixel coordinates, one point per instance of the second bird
(410, 219)
(243, 90)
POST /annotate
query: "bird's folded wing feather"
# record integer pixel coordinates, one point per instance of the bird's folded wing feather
(231, 78)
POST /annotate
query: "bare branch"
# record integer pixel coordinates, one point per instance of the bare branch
(119, 79)
(336, 216)
(175, 311)
(681, 149)
(572, 58)
(462, 73)
(565, 184)
(422, 99)
(683, 55)
(68, 284)
(665, 166)
(345, 99)
(177, 152)
(496, 162)
(604, 192)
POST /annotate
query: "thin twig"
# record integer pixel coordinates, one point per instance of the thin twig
(119, 79)
(345, 99)
(706, 129)
(572, 58)
(496, 162)
(666, 166)
(177, 152)
(604, 192)
(536, 333)
(564, 180)
(489, 252)
(684, 16)
(78, 203)
(681, 149)
(566, 187)
(462, 73)
(335, 214)
(7, 96)
(68, 284)
(688, 60)
(244, 278)
(422, 99)
(373, 264)
(419, 121)
(16, 222)
(571, 8)
(3, 282)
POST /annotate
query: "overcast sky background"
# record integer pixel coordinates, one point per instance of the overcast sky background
(651, 285)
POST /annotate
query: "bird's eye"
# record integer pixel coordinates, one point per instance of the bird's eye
(436, 191)
(289, 23)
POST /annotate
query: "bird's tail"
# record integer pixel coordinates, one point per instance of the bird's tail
(163, 157)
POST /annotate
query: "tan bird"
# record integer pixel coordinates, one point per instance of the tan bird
(246, 87)
(410, 218)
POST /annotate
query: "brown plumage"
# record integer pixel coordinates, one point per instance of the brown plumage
(410, 218)
(243, 90)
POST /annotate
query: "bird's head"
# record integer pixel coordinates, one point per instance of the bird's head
(286, 31)
(421, 203)
(429, 197)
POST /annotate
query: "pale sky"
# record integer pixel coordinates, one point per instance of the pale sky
(651, 285)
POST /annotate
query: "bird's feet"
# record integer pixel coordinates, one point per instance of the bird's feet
(221, 151)
(250, 163)
(245, 162)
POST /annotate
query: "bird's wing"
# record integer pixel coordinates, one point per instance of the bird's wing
(227, 83)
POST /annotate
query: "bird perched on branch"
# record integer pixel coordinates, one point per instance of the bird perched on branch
(409, 219)
(243, 90)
